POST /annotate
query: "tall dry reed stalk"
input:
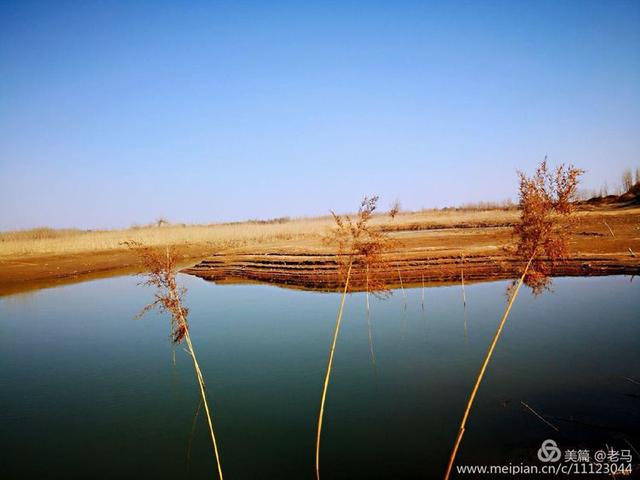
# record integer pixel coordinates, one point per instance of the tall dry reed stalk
(325, 386)
(545, 199)
(161, 272)
(480, 376)
(361, 250)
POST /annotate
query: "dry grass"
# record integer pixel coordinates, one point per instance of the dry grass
(546, 205)
(503, 205)
(161, 273)
(545, 199)
(360, 249)
(47, 241)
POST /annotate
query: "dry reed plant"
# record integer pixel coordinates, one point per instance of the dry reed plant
(546, 205)
(161, 274)
(545, 200)
(360, 243)
(360, 258)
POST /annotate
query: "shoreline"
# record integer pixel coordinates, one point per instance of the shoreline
(429, 246)
(295, 271)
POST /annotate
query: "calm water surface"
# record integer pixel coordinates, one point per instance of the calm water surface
(87, 391)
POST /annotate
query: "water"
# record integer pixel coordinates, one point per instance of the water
(89, 392)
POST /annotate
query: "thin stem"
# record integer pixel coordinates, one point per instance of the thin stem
(367, 288)
(162, 275)
(526, 405)
(610, 231)
(424, 317)
(201, 385)
(484, 368)
(404, 295)
(401, 284)
(368, 315)
(193, 431)
(328, 374)
(464, 297)
(465, 323)
(373, 355)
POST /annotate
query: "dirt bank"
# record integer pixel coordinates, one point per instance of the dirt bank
(32, 272)
(602, 242)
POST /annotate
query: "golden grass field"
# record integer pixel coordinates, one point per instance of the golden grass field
(46, 241)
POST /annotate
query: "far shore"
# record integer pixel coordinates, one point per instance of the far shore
(435, 245)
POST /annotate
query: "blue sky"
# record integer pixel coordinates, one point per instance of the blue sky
(119, 112)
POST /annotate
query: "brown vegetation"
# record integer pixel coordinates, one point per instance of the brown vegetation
(362, 246)
(394, 209)
(360, 250)
(546, 203)
(47, 241)
(161, 274)
(545, 200)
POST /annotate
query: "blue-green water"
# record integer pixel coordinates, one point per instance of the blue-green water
(87, 391)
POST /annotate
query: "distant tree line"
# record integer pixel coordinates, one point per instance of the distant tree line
(628, 179)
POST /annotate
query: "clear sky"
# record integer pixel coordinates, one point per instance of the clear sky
(119, 112)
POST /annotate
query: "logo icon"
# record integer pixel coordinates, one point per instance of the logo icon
(549, 451)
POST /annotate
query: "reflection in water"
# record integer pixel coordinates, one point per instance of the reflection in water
(101, 397)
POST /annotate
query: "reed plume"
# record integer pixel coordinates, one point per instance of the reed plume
(545, 201)
(161, 273)
(546, 205)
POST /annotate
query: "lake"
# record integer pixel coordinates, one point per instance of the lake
(87, 391)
